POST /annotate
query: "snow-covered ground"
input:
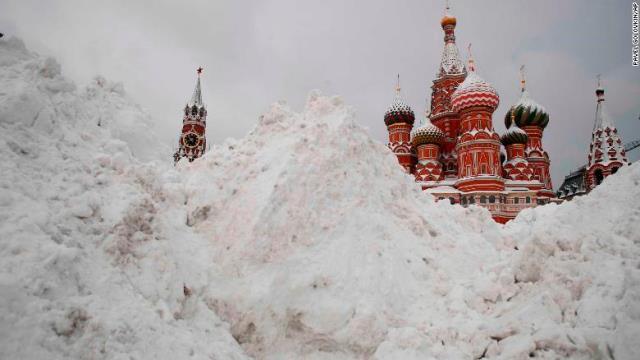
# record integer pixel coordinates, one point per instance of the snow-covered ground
(302, 240)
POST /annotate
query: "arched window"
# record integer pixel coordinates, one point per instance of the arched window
(483, 199)
(516, 200)
(598, 176)
(463, 200)
(194, 110)
(452, 200)
(492, 199)
(528, 200)
(472, 200)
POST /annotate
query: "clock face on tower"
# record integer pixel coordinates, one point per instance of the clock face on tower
(191, 140)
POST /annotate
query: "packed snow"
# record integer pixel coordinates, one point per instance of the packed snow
(303, 239)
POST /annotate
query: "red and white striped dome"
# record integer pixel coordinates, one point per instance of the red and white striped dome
(474, 91)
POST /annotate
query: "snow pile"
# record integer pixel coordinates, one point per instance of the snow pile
(302, 240)
(579, 264)
(91, 258)
(329, 249)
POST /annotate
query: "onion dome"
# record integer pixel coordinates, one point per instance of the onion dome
(514, 135)
(526, 112)
(427, 133)
(399, 111)
(448, 20)
(474, 91)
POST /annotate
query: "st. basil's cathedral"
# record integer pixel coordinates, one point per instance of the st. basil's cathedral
(456, 154)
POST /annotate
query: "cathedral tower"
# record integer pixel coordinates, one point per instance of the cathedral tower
(479, 166)
(192, 142)
(450, 74)
(399, 119)
(532, 117)
(606, 152)
(426, 141)
(516, 167)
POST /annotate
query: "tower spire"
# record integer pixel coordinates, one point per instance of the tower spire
(602, 118)
(471, 62)
(196, 98)
(450, 63)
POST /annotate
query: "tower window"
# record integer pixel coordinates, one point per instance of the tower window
(483, 199)
(528, 200)
(492, 199)
(516, 200)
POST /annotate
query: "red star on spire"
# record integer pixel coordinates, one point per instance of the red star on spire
(199, 70)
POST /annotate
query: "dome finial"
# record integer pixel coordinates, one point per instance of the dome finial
(599, 89)
(448, 19)
(398, 88)
(523, 80)
(471, 66)
(199, 70)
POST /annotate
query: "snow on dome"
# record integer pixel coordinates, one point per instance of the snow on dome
(427, 133)
(514, 135)
(474, 91)
(399, 111)
(526, 112)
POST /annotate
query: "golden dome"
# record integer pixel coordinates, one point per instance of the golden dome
(448, 20)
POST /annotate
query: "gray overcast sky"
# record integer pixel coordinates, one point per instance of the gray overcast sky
(256, 52)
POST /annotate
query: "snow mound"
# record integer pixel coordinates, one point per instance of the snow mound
(92, 258)
(583, 259)
(331, 251)
(36, 96)
(302, 240)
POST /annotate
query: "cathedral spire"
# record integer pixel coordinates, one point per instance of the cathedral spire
(602, 117)
(471, 63)
(450, 63)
